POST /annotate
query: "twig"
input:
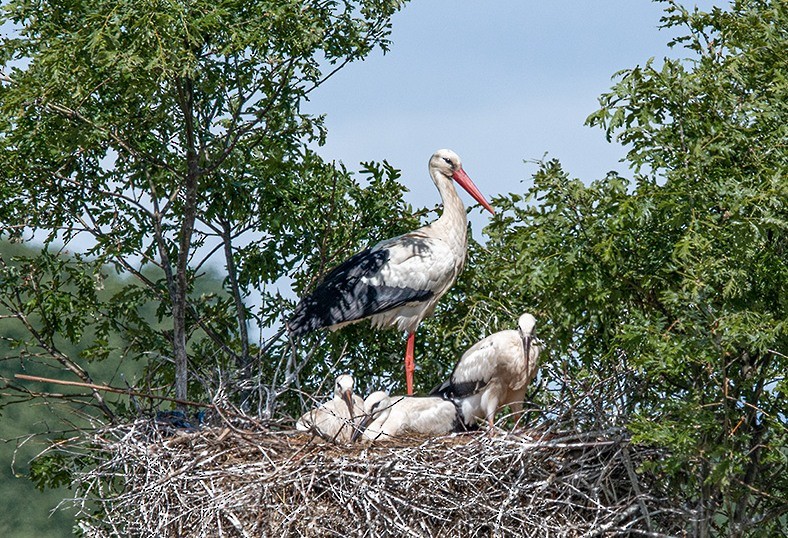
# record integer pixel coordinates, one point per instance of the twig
(106, 388)
(232, 482)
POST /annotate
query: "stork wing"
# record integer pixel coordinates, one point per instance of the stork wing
(417, 262)
(472, 372)
(425, 415)
(402, 270)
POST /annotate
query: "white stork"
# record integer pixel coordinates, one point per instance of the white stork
(398, 281)
(390, 417)
(335, 420)
(494, 372)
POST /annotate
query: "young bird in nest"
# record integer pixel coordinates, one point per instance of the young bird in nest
(335, 420)
(494, 372)
(387, 417)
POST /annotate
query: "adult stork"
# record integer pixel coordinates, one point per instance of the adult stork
(389, 417)
(494, 372)
(398, 282)
(337, 419)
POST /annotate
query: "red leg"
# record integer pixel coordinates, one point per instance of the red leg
(410, 362)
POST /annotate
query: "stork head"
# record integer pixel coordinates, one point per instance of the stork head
(527, 323)
(448, 164)
(376, 405)
(343, 388)
(344, 383)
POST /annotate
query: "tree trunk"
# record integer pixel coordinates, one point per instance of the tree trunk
(756, 430)
(186, 98)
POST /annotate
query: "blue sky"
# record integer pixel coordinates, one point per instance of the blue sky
(500, 82)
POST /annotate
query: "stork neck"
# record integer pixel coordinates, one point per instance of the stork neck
(453, 218)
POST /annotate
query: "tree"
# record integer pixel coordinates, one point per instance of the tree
(675, 284)
(163, 140)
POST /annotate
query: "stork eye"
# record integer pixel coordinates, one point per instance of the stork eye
(448, 161)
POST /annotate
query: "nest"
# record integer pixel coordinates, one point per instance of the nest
(232, 481)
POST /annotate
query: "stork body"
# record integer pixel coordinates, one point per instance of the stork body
(398, 282)
(337, 419)
(494, 372)
(387, 418)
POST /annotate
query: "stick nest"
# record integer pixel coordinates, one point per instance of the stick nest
(232, 481)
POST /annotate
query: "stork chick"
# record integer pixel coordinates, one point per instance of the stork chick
(387, 418)
(335, 420)
(494, 372)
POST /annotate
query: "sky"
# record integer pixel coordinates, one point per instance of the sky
(500, 82)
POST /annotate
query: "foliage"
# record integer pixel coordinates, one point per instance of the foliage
(28, 428)
(162, 143)
(50, 471)
(165, 140)
(676, 283)
(39, 517)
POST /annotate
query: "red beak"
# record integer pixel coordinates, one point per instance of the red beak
(465, 182)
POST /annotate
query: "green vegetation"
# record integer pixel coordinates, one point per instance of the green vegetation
(158, 143)
(164, 143)
(25, 509)
(675, 283)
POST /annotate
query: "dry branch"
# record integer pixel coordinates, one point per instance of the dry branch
(225, 482)
(106, 388)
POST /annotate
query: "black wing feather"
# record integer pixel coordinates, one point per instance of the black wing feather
(450, 390)
(344, 296)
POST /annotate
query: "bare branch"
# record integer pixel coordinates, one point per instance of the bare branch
(106, 388)
(532, 484)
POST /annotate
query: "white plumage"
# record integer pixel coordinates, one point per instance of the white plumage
(337, 419)
(390, 417)
(398, 282)
(494, 372)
